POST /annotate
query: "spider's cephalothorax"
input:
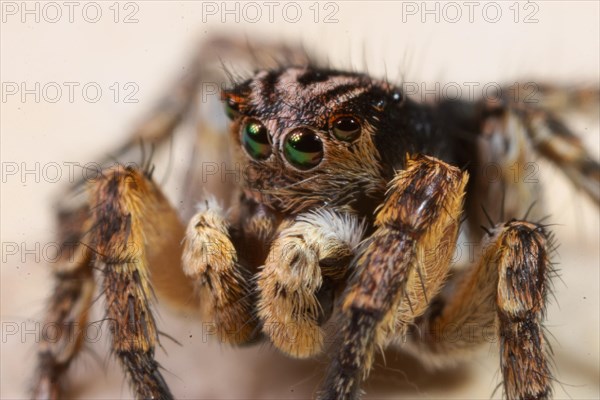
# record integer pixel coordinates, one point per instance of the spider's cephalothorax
(349, 211)
(311, 137)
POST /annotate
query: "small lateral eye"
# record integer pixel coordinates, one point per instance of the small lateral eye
(346, 128)
(231, 109)
(303, 149)
(256, 140)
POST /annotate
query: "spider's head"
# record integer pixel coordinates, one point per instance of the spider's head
(306, 137)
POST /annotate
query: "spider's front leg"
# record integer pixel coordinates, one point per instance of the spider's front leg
(505, 295)
(306, 264)
(406, 259)
(132, 235)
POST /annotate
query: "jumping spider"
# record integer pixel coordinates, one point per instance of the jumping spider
(349, 211)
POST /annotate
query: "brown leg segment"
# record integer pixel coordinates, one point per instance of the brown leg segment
(523, 271)
(422, 210)
(556, 142)
(136, 236)
(68, 312)
(504, 295)
(132, 235)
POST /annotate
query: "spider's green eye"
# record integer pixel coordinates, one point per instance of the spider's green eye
(346, 128)
(231, 109)
(255, 139)
(303, 149)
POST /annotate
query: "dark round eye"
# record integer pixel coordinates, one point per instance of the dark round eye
(231, 109)
(303, 149)
(346, 128)
(255, 139)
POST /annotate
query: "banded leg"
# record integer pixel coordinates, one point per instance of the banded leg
(296, 286)
(556, 142)
(504, 295)
(498, 140)
(555, 98)
(131, 234)
(68, 310)
(545, 133)
(422, 210)
(136, 236)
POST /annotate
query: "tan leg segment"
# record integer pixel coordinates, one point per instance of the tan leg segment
(504, 297)
(422, 210)
(315, 245)
(210, 260)
(136, 236)
(131, 235)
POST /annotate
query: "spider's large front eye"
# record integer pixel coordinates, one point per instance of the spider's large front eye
(255, 139)
(346, 128)
(303, 149)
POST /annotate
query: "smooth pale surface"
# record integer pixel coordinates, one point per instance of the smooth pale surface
(562, 46)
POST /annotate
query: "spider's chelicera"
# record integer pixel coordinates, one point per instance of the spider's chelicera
(348, 214)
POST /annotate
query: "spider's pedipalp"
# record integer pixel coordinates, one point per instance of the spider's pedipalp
(210, 260)
(314, 246)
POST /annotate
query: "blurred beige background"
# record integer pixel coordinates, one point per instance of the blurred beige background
(396, 38)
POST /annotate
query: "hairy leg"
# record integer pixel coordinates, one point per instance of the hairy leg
(498, 141)
(422, 210)
(296, 285)
(503, 296)
(136, 236)
(555, 141)
(68, 312)
(133, 239)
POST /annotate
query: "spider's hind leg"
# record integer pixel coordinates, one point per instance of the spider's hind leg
(553, 139)
(542, 116)
(68, 311)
